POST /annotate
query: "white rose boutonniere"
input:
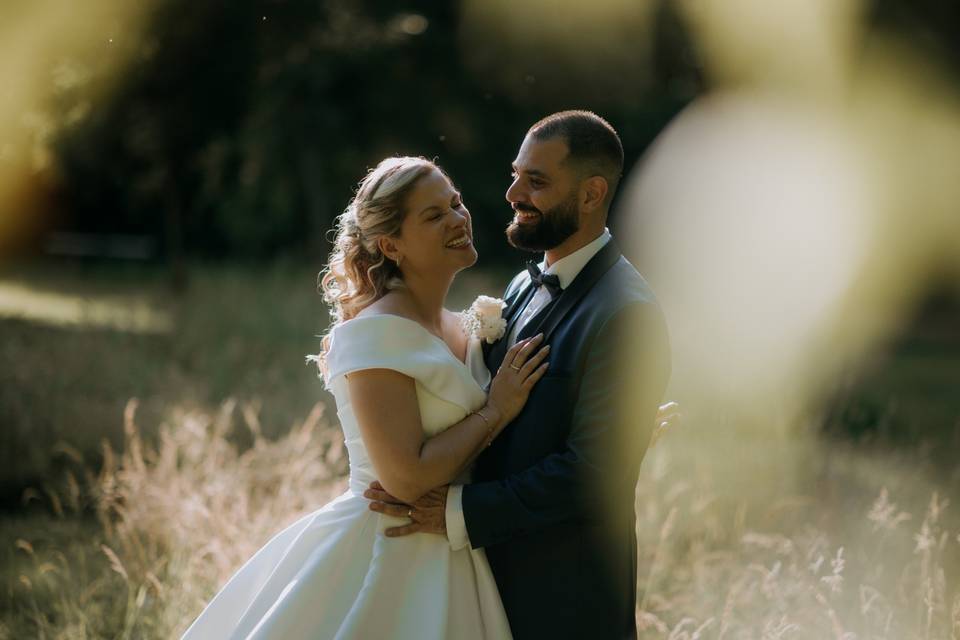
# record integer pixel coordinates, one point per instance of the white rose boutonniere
(484, 319)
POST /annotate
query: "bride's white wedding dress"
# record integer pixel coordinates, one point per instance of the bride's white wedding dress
(333, 573)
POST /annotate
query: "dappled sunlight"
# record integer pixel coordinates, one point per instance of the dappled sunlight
(129, 314)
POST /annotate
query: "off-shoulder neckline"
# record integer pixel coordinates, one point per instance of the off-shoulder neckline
(422, 328)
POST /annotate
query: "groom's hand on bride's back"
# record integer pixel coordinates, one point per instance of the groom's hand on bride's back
(426, 515)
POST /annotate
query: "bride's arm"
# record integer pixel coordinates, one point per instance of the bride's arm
(408, 464)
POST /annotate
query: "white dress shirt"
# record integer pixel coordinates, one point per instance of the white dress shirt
(566, 269)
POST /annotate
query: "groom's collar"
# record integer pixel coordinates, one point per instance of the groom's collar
(599, 264)
(569, 267)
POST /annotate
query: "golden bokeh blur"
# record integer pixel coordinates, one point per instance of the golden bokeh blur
(754, 219)
(801, 47)
(56, 60)
(560, 50)
(793, 216)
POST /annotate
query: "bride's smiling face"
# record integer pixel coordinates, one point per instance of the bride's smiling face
(437, 234)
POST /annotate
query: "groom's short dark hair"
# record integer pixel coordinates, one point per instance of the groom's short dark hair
(594, 145)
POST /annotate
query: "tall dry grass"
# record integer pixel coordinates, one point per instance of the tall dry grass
(830, 567)
(174, 520)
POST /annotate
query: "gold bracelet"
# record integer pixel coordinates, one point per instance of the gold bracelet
(486, 421)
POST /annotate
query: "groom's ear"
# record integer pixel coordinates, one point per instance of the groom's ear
(593, 193)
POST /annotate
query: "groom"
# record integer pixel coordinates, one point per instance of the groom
(552, 498)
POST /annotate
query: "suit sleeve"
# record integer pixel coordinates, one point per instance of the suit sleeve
(594, 477)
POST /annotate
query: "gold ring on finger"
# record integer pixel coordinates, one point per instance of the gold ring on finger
(410, 513)
(514, 367)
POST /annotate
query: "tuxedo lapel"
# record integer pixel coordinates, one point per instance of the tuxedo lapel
(515, 303)
(510, 306)
(569, 297)
(494, 357)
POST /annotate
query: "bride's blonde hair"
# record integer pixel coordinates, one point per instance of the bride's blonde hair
(357, 272)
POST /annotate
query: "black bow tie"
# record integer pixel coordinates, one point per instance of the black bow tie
(549, 280)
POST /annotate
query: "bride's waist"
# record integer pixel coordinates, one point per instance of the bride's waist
(360, 480)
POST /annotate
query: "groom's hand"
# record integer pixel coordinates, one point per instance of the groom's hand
(427, 514)
(668, 418)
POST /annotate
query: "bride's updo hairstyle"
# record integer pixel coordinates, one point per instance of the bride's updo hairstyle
(357, 272)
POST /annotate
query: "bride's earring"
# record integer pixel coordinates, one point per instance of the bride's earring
(399, 260)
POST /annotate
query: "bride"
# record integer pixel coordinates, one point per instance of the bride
(410, 391)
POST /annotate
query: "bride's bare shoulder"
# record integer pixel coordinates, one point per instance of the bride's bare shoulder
(451, 318)
(392, 303)
(453, 331)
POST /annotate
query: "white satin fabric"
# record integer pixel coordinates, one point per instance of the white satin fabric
(333, 573)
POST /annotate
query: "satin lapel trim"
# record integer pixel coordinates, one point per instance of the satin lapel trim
(515, 300)
(569, 297)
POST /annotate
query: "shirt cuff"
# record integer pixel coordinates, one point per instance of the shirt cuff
(456, 526)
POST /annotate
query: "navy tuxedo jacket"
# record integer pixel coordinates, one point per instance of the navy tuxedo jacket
(552, 498)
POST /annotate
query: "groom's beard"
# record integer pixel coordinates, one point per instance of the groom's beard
(553, 227)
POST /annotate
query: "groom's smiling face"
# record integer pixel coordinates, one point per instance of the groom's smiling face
(543, 195)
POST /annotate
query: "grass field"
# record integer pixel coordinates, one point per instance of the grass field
(78, 344)
(743, 533)
(739, 537)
